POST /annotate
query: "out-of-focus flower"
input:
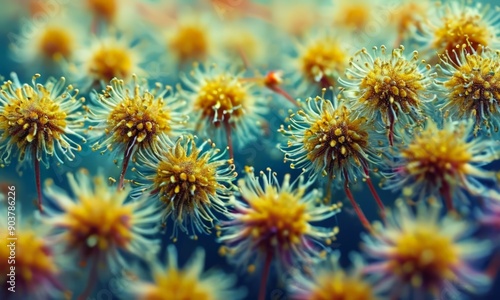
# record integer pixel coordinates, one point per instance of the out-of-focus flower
(37, 121)
(132, 117)
(471, 87)
(28, 265)
(446, 162)
(98, 225)
(106, 58)
(328, 280)
(319, 62)
(327, 139)
(408, 16)
(191, 38)
(190, 181)
(389, 87)
(222, 102)
(189, 283)
(457, 23)
(296, 17)
(44, 46)
(422, 253)
(275, 222)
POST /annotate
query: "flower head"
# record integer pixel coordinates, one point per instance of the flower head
(190, 181)
(133, 117)
(455, 24)
(98, 224)
(47, 44)
(105, 9)
(328, 280)
(189, 283)
(275, 221)
(472, 87)
(223, 102)
(107, 58)
(31, 254)
(326, 138)
(444, 162)
(423, 252)
(134, 112)
(320, 61)
(38, 120)
(388, 87)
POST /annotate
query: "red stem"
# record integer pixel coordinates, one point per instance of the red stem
(126, 158)
(374, 192)
(283, 93)
(38, 181)
(265, 275)
(91, 280)
(446, 193)
(358, 211)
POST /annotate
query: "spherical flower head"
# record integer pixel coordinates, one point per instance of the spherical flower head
(330, 281)
(35, 270)
(327, 138)
(223, 102)
(38, 120)
(190, 181)
(472, 87)
(276, 221)
(354, 15)
(445, 162)
(109, 57)
(189, 283)
(46, 45)
(190, 42)
(98, 224)
(424, 253)
(320, 61)
(460, 23)
(105, 9)
(388, 86)
(126, 113)
(407, 16)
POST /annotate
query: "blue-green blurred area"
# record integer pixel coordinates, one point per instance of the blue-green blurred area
(260, 153)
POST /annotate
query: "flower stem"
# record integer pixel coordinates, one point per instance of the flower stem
(265, 275)
(126, 158)
(38, 181)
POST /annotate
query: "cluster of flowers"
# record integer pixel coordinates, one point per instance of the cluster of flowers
(424, 124)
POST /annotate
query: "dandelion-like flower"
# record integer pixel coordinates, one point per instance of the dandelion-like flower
(190, 181)
(327, 138)
(27, 263)
(389, 87)
(472, 87)
(407, 16)
(107, 58)
(190, 42)
(189, 283)
(275, 222)
(103, 9)
(132, 117)
(47, 44)
(330, 281)
(354, 15)
(424, 253)
(320, 61)
(457, 23)
(221, 99)
(38, 121)
(98, 224)
(444, 162)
